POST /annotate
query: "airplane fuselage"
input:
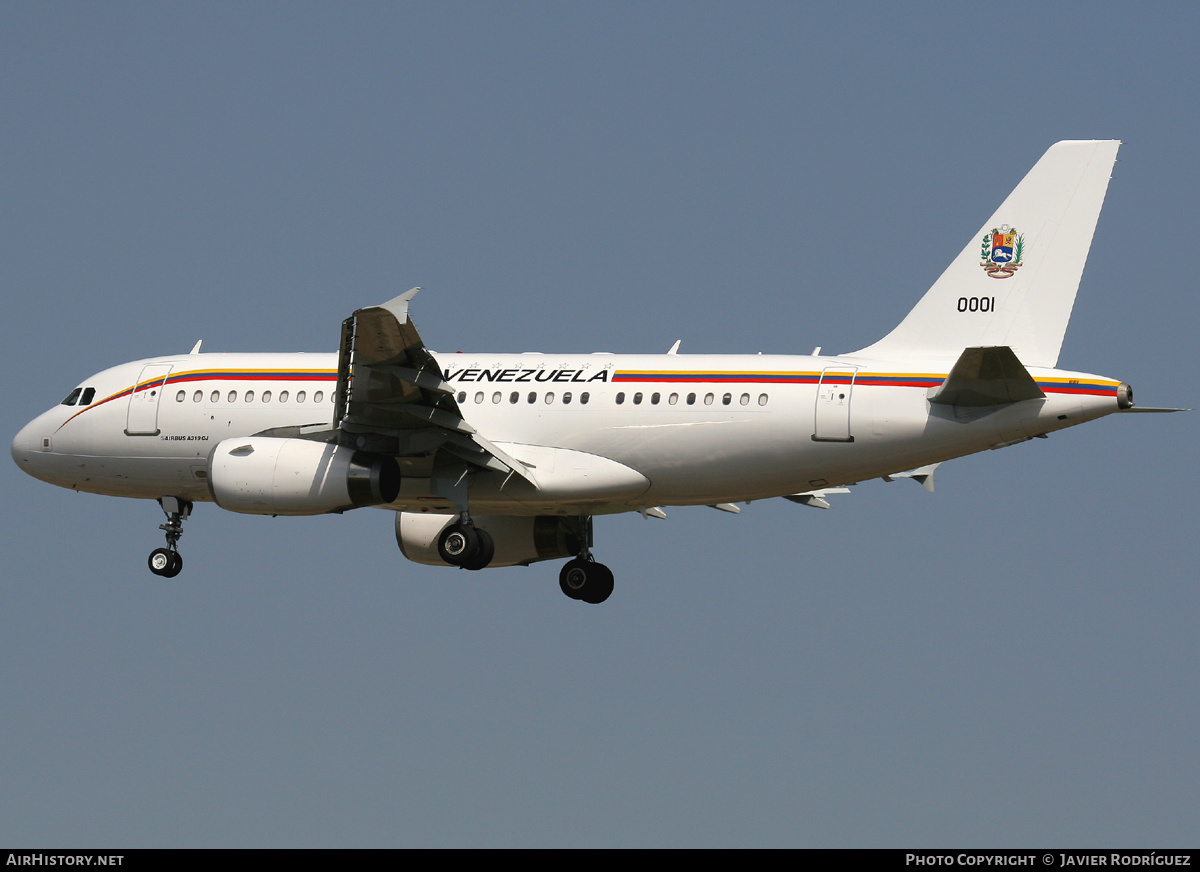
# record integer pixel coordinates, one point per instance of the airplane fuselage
(600, 432)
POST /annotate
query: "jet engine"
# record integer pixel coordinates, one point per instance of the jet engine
(266, 475)
(519, 540)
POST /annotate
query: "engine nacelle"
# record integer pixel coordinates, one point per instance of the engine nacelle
(266, 475)
(520, 540)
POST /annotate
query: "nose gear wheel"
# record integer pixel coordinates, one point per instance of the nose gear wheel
(168, 562)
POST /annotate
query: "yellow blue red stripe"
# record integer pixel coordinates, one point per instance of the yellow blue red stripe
(193, 376)
(1095, 387)
(1090, 387)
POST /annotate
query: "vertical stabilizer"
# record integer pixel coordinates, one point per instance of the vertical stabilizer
(1014, 284)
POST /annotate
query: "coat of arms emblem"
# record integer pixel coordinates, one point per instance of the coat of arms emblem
(1002, 251)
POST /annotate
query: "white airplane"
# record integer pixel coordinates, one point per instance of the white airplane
(502, 459)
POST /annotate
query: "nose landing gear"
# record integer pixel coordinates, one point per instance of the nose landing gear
(168, 562)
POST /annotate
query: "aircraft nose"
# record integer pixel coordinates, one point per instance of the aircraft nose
(23, 445)
(27, 448)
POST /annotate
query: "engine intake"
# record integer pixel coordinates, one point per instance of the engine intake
(266, 475)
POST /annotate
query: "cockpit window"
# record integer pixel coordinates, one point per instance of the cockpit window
(89, 394)
(72, 397)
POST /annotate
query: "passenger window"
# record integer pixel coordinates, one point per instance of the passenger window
(88, 395)
(691, 399)
(567, 398)
(745, 399)
(318, 396)
(478, 397)
(497, 397)
(620, 397)
(215, 398)
(249, 396)
(198, 396)
(233, 396)
(462, 396)
(727, 399)
(283, 395)
(549, 399)
(532, 397)
(179, 397)
(674, 398)
(513, 397)
(708, 399)
(299, 396)
(584, 397)
(266, 396)
(72, 397)
(762, 399)
(637, 398)
(654, 398)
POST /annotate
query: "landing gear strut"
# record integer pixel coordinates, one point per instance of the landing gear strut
(168, 562)
(584, 579)
(463, 544)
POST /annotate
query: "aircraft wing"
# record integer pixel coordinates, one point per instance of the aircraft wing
(391, 392)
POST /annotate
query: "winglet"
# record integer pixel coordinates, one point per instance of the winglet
(398, 306)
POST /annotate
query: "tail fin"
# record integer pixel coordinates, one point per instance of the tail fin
(1015, 282)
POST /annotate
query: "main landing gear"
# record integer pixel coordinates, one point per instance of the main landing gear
(465, 545)
(584, 579)
(168, 562)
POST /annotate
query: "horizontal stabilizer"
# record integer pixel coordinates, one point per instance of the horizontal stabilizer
(1151, 409)
(986, 377)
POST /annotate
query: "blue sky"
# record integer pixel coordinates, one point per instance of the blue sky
(1010, 661)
